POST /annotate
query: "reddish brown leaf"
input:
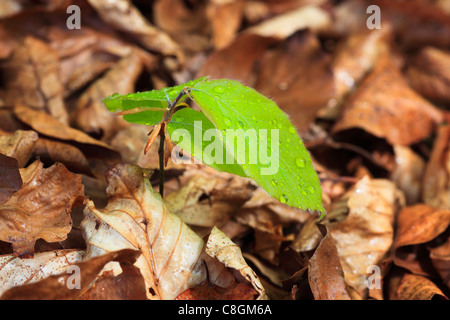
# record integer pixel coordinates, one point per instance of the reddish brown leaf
(436, 178)
(416, 225)
(209, 291)
(414, 287)
(406, 119)
(33, 79)
(19, 145)
(325, 273)
(303, 90)
(41, 208)
(10, 180)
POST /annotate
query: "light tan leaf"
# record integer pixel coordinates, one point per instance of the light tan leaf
(16, 271)
(227, 252)
(408, 173)
(19, 145)
(135, 217)
(56, 286)
(124, 16)
(365, 237)
(41, 208)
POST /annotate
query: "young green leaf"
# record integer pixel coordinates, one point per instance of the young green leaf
(246, 118)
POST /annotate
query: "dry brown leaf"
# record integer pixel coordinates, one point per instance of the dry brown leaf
(429, 74)
(365, 237)
(125, 17)
(48, 126)
(41, 208)
(325, 273)
(440, 258)
(209, 291)
(32, 76)
(408, 173)
(51, 151)
(284, 25)
(10, 180)
(19, 145)
(226, 17)
(436, 178)
(414, 287)
(352, 60)
(386, 107)
(16, 271)
(90, 114)
(238, 60)
(209, 198)
(135, 217)
(219, 246)
(417, 224)
(55, 287)
(302, 91)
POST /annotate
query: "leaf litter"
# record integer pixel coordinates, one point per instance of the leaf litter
(76, 189)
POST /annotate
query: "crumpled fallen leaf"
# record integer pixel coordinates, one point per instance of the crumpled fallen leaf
(33, 79)
(417, 224)
(10, 180)
(407, 118)
(219, 246)
(436, 178)
(15, 271)
(429, 74)
(41, 208)
(325, 273)
(124, 16)
(414, 287)
(408, 173)
(209, 291)
(18, 145)
(209, 198)
(364, 238)
(136, 218)
(56, 287)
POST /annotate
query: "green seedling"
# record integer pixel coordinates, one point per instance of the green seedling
(237, 130)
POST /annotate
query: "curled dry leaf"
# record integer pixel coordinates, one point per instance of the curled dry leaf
(282, 26)
(18, 145)
(41, 208)
(219, 246)
(406, 119)
(16, 271)
(325, 273)
(225, 17)
(436, 178)
(366, 235)
(136, 218)
(32, 76)
(91, 114)
(417, 224)
(125, 17)
(440, 258)
(414, 287)
(352, 60)
(303, 91)
(10, 180)
(209, 198)
(429, 74)
(408, 173)
(58, 287)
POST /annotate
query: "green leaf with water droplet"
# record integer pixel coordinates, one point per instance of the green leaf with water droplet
(192, 131)
(259, 133)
